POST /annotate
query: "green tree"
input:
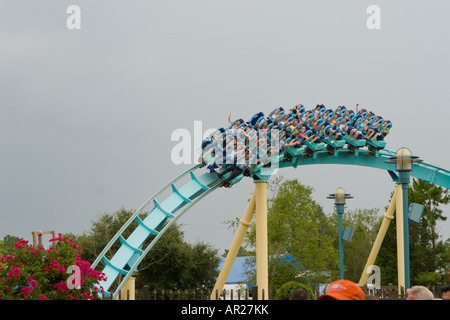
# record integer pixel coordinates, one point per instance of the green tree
(431, 196)
(428, 254)
(284, 292)
(365, 223)
(298, 226)
(7, 244)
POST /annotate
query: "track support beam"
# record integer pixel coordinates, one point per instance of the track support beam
(245, 222)
(262, 254)
(258, 204)
(388, 217)
(396, 205)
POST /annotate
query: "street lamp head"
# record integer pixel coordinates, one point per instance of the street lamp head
(339, 196)
(403, 160)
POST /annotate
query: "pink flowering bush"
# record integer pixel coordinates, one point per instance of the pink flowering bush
(37, 274)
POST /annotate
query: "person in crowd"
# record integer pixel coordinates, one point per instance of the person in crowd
(446, 292)
(343, 290)
(419, 293)
(299, 294)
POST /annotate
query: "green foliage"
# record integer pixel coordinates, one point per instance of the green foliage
(365, 223)
(428, 254)
(427, 278)
(7, 244)
(431, 196)
(284, 292)
(296, 226)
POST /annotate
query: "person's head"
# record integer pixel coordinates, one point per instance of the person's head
(237, 123)
(419, 293)
(299, 294)
(343, 290)
(446, 292)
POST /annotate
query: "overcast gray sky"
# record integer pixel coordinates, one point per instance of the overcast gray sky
(86, 115)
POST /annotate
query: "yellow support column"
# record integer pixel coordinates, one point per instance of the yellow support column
(262, 256)
(128, 291)
(245, 222)
(388, 216)
(400, 240)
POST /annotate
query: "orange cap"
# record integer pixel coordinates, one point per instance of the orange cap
(343, 290)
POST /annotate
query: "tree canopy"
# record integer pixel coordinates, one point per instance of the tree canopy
(297, 226)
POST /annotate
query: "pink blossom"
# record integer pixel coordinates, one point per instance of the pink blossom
(20, 244)
(19, 266)
(88, 295)
(72, 297)
(14, 273)
(55, 266)
(59, 238)
(26, 291)
(33, 251)
(7, 258)
(61, 286)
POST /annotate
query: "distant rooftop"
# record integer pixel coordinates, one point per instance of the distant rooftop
(242, 265)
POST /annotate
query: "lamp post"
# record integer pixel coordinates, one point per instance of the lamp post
(339, 200)
(403, 165)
